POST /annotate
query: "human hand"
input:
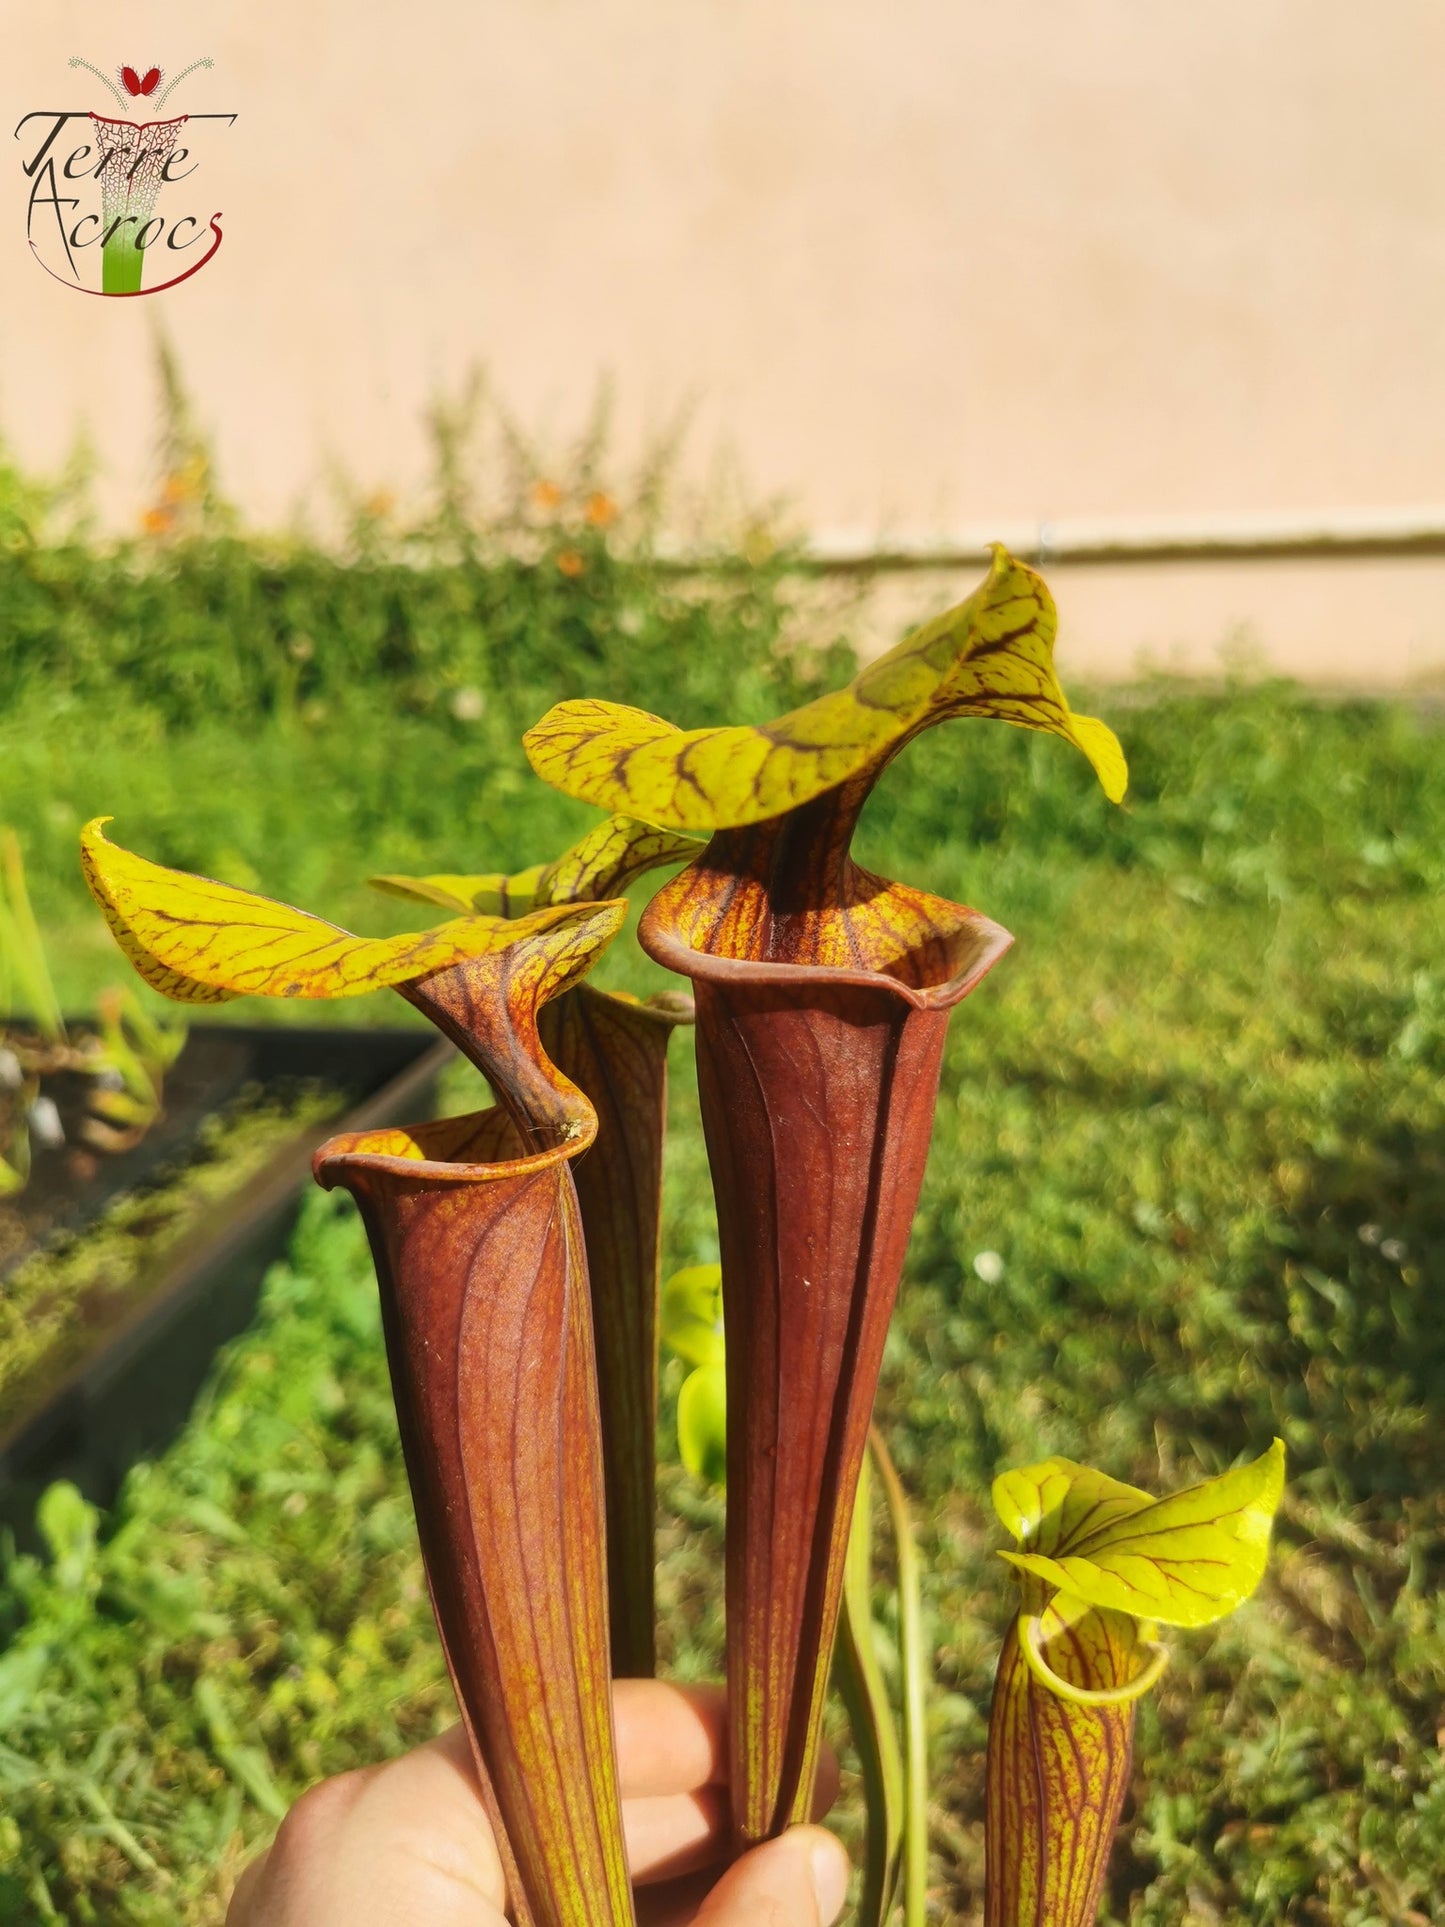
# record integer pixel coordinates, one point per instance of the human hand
(409, 1842)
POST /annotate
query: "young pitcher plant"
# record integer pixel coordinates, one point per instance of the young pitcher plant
(517, 1255)
(1101, 1566)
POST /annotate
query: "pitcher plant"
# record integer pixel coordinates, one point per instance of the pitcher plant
(1101, 1566)
(823, 995)
(517, 1252)
(476, 1234)
(613, 1047)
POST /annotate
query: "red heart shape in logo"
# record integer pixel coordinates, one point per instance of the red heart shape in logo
(135, 85)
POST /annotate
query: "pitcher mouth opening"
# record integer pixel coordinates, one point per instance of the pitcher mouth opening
(481, 1147)
(934, 955)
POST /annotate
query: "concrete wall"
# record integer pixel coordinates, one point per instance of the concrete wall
(915, 263)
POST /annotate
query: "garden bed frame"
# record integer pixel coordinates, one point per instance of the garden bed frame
(134, 1388)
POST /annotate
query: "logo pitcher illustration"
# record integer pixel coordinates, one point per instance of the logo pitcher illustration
(94, 218)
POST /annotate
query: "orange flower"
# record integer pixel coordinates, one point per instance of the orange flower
(545, 495)
(158, 521)
(601, 510)
(185, 484)
(570, 562)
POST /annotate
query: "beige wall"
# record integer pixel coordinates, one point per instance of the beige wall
(916, 263)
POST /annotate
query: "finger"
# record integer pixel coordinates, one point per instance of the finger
(405, 1841)
(674, 1904)
(670, 1739)
(668, 1834)
(242, 1905)
(799, 1880)
(672, 1834)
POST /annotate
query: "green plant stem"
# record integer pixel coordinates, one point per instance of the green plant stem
(40, 1894)
(860, 1682)
(914, 1672)
(115, 1829)
(20, 935)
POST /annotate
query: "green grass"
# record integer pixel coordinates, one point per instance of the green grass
(1198, 1112)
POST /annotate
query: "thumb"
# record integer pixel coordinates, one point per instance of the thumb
(799, 1880)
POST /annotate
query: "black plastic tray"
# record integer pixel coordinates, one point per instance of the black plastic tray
(133, 1389)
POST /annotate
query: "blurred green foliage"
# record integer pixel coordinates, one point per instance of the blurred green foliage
(297, 723)
(52, 1303)
(1187, 1189)
(201, 1626)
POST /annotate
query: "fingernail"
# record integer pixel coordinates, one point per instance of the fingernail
(830, 1879)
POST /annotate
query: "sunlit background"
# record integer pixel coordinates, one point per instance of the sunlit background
(931, 273)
